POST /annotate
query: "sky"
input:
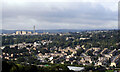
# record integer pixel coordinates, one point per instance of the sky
(59, 14)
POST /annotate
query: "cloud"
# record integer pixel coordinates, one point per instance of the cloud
(60, 15)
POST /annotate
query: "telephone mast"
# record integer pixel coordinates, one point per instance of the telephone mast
(34, 29)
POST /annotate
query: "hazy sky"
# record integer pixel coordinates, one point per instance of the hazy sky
(65, 14)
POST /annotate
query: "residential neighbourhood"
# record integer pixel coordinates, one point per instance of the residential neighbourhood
(44, 51)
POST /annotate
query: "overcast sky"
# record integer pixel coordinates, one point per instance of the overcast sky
(18, 15)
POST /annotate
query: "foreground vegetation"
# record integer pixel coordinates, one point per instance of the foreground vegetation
(13, 67)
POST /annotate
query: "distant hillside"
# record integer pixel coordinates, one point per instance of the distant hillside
(41, 31)
(51, 31)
